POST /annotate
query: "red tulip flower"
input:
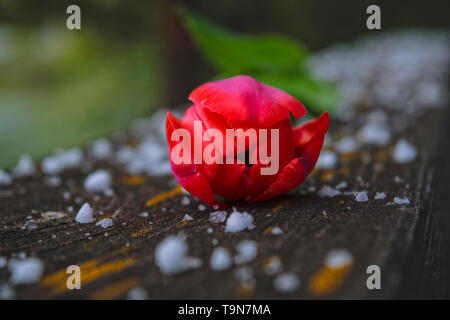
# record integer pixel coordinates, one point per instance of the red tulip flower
(243, 103)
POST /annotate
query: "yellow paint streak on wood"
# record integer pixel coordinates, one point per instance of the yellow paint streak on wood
(349, 156)
(106, 269)
(142, 231)
(124, 249)
(90, 271)
(115, 290)
(164, 196)
(345, 170)
(182, 223)
(90, 243)
(245, 290)
(382, 156)
(133, 180)
(327, 175)
(280, 206)
(328, 279)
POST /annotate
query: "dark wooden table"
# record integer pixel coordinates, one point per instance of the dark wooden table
(410, 243)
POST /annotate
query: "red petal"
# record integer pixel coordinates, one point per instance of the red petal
(309, 138)
(243, 98)
(188, 175)
(256, 182)
(230, 181)
(193, 181)
(291, 176)
(209, 120)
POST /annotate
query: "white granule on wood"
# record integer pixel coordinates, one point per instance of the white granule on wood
(380, 196)
(338, 258)
(53, 181)
(3, 261)
(246, 251)
(137, 293)
(272, 265)
(244, 274)
(327, 191)
(171, 256)
(220, 259)
(24, 167)
(403, 200)
(101, 149)
(239, 221)
(327, 160)
(108, 192)
(7, 292)
(5, 178)
(98, 181)
(346, 145)
(361, 197)
(341, 185)
(218, 216)
(26, 271)
(105, 223)
(61, 160)
(286, 282)
(404, 152)
(185, 201)
(85, 214)
(277, 231)
(374, 133)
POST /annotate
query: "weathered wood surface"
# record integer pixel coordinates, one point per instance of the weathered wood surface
(404, 240)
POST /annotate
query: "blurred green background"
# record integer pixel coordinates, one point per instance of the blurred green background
(60, 87)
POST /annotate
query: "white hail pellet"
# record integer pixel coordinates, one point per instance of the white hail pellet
(404, 152)
(220, 259)
(327, 191)
(25, 271)
(85, 214)
(98, 181)
(239, 221)
(286, 282)
(247, 251)
(361, 197)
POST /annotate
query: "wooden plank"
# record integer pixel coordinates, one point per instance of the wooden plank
(121, 257)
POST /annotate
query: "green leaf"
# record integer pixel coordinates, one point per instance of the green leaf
(317, 96)
(275, 60)
(236, 53)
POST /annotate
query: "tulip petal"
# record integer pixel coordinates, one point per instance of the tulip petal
(243, 98)
(229, 182)
(309, 138)
(188, 175)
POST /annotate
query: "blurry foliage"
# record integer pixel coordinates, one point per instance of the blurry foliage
(275, 60)
(60, 88)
